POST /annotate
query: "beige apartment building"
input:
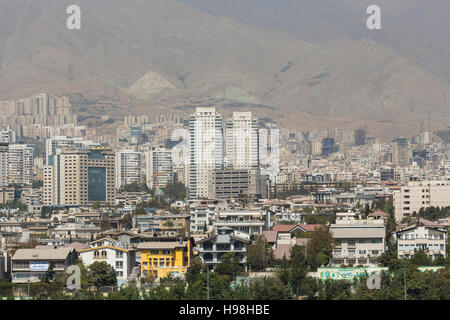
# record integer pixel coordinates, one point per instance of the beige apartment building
(357, 242)
(431, 240)
(78, 177)
(420, 194)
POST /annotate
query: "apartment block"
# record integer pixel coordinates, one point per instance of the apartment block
(357, 242)
(420, 194)
(430, 240)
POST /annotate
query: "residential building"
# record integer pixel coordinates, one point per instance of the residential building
(224, 240)
(164, 257)
(242, 141)
(357, 242)
(128, 168)
(108, 250)
(20, 163)
(249, 222)
(420, 194)
(159, 168)
(4, 164)
(430, 240)
(32, 264)
(206, 150)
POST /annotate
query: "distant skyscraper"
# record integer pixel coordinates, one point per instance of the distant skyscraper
(128, 168)
(3, 164)
(7, 135)
(401, 152)
(242, 141)
(206, 149)
(20, 163)
(328, 147)
(79, 177)
(360, 137)
(159, 167)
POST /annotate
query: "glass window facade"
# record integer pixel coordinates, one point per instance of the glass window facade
(96, 184)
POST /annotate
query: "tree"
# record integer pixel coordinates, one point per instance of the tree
(96, 205)
(230, 265)
(320, 248)
(102, 274)
(259, 254)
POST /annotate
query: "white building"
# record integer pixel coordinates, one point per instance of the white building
(159, 168)
(3, 164)
(128, 168)
(113, 253)
(20, 163)
(206, 149)
(431, 240)
(242, 141)
(421, 194)
(357, 242)
(248, 222)
(7, 135)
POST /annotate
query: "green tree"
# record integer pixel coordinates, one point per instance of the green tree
(259, 254)
(102, 274)
(96, 205)
(230, 265)
(320, 247)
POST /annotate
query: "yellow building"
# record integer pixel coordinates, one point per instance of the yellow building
(162, 258)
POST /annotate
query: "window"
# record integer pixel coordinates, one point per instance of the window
(362, 251)
(153, 251)
(362, 241)
(166, 252)
(119, 264)
(104, 254)
(119, 254)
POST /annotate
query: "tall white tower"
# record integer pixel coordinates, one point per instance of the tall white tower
(206, 149)
(242, 141)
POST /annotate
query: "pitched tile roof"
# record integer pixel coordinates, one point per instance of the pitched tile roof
(284, 227)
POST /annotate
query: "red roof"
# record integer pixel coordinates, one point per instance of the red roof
(284, 227)
(379, 213)
(311, 227)
(429, 223)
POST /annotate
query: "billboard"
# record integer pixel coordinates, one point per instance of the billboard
(38, 265)
(347, 273)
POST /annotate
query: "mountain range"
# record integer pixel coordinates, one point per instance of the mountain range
(304, 63)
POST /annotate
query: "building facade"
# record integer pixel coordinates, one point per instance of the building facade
(78, 177)
(206, 149)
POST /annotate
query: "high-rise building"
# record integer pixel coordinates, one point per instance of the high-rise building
(20, 163)
(78, 177)
(242, 141)
(328, 147)
(59, 142)
(360, 137)
(159, 167)
(237, 184)
(128, 168)
(7, 135)
(206, 149)
(401, 152)
(3, 164)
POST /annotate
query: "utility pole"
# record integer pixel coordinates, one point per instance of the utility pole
(404, 277)
(207, 282)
